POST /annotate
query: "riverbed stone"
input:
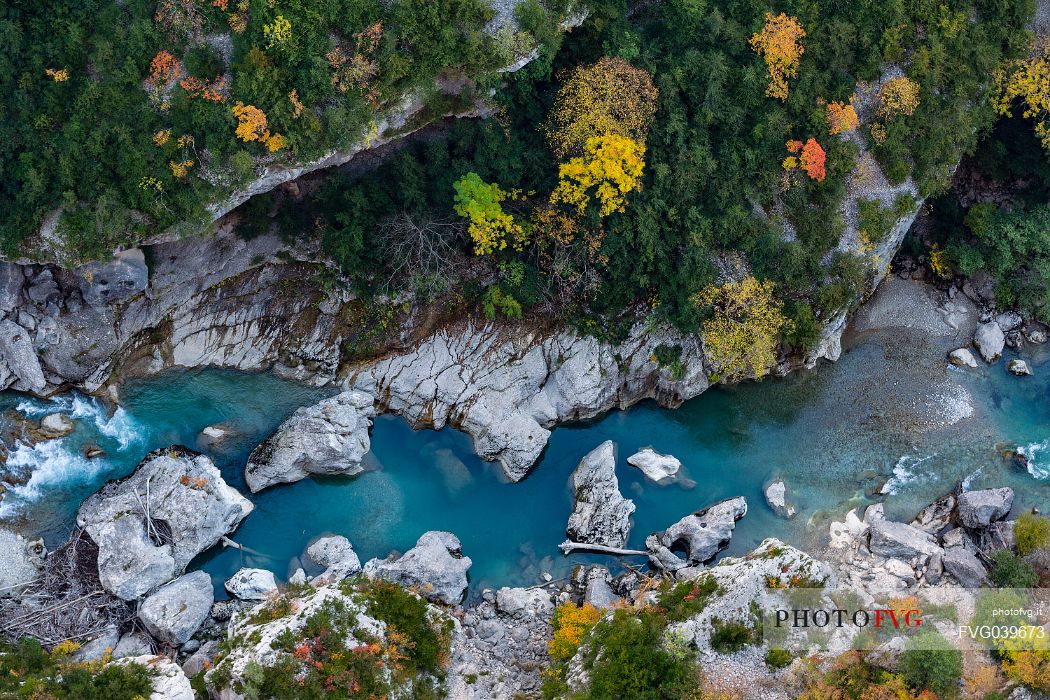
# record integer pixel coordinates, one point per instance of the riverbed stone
(252, 584)
(1018, 368)
(191, 509)
(702, 535)
(337, 555)
(329, 437)
(654, 465)
(978, 509)
(132, 644)
(962, 357)
(936, 516)
(898, 540)
(56, 425)
(435, 566)
(776, 497)
(601, 515)
(176, 610)
(967, 569)
(989, 340)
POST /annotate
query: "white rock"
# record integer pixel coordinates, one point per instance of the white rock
(776, 497)
(252, 584)
(20, 560)
(989, 340)
(169, 681)
(56, 425)
(1018, 368)
(702, 534)
(601, 515)
(963, 358)
(978, 509)
(654, 465)
(337, 555)
(176, 610)
(435, 566)
(329, 437)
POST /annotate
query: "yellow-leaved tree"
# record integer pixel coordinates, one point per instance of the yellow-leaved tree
(779, 46)
(481, 204)
(611, 166)
(741, 338)
(608, 97)
(898, 96)
(1027, 83)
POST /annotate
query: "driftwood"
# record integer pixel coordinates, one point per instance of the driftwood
(568, 547)
(67, 601)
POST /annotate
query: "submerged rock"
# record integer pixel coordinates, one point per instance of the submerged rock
(776, 497)
(190, 509)
(56, 425)
(337, 555)
(963, 358)
(601, 514)
(701, 535)
(252, 584)
(989, 340)
(330, 437)
(978, 509)
(654, 465)
(176, 610)
(1018, 368)
(435, 566)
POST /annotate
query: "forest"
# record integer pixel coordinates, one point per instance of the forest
(684, 159)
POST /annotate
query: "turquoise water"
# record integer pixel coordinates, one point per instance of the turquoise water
(836, 435)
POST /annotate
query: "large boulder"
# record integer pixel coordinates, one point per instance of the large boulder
(168, 680)
(701, 535)
(329, 437)
(176, 610)
(252, 584)
(963, 358)
(989, 340)
(16, 349)
(56, 425)
(900, 541)
(337, 555)
(190, 509)
(776, 497)
(435, 566)
(978, 509)
(601, 514)
(967, 569)
(1018, 368)
(936, 516)
(654, 465)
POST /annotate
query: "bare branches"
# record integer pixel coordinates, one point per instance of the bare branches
(425, 250)
(67, 601)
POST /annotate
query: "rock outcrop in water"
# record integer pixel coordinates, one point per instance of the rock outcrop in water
(148, 526)
(654, 465)
(330, 437)
(700, 536)
(435, 566)
(336, 555)
(601, 515)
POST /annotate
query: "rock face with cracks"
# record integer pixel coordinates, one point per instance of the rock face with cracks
(601, 514)
(329, 437)
(148, 526)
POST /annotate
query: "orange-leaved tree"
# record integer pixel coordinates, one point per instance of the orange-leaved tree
(779, 46)
(607, 97)
(841, 117)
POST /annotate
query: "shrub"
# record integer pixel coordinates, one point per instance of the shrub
(1011, 571)
(686, 599)
(571, 624)
(628, 659)
(729, 637)
(1031, 532)
(930, 662)
(26, 670)
(777, 658)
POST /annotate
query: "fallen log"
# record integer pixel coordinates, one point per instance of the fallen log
(568, 547)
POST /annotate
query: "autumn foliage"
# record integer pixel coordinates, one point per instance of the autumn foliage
(899, 96)
(608, 97)
(810, 158)
(1027, 83)
(779, 46)
(163, 69)
(742, 335)
(611, 166)
(841, 118)
(481, 203)
(571, 623)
